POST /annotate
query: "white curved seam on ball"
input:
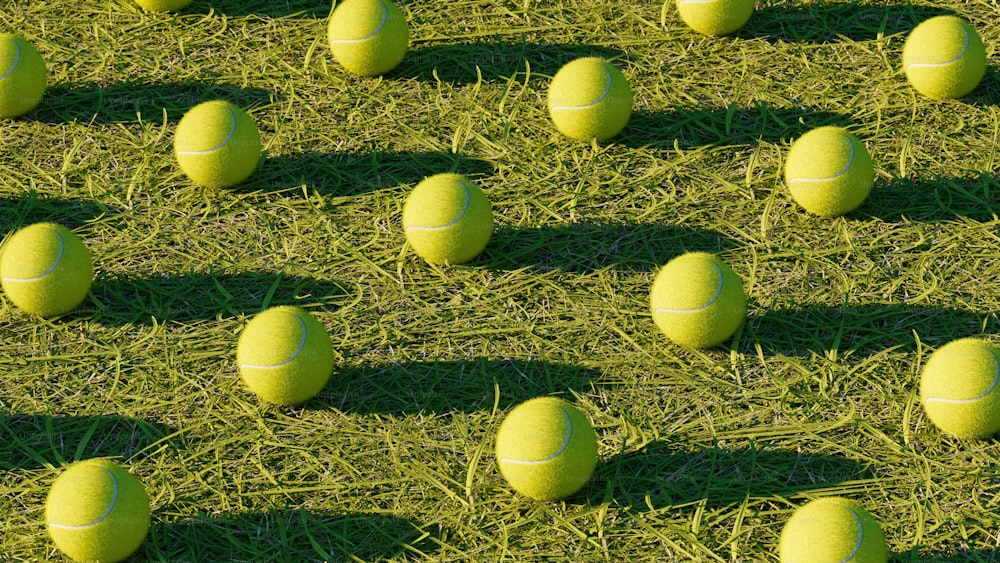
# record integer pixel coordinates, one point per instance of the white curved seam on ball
(302, 345)
(562, 448)
(465, 208)
(385, 18)
(17, 59)
(62, 247)
(111, 506)
(232, 131)
(996, 380)
(946, 63)
(843, 170)
(861, 537)
(718, 292)
(607, 90)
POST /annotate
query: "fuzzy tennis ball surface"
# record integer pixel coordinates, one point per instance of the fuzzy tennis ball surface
(832, 530)
(447, 219)
(546, 448)
(162, 5)
(23, 76)
(958, 388)
(589, 98)
(285, 355)
(697, 300)
(715, 17)
(944, 58)
(97, 511)
(829, 171)
(46, 270)
(217, 144)
(368, 37)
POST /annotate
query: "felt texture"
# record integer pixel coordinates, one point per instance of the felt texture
(546, 449)
(697, 300)
(285, 355)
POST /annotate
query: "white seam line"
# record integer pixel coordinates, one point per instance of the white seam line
(302, 345)
(843, 171)
(946, 63)
(718, 292)
(996, 379)
(465, 208)
(232, 131)
(111, 506)
(385, 18)
(17, 59)
(861, 536)
(62, 247)
(607, 90)
(562, 448)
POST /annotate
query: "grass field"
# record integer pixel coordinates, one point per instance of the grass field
(703, 454)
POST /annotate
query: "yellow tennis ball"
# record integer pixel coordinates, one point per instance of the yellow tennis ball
(368, 37)
(447, 219)
(697, 300)
(285, 355)
(832, 530)
(589, 98)
(97, 511)
(829, 171)
(23, 76)
(162, 5)
(46, 270)
(944, 58)
(546, 449)
(958, 388)
(217, 144)
(715, 17)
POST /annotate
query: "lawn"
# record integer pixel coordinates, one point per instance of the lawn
(704, 454)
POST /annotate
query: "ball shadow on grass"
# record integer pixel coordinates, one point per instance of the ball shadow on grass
(932, 199)
(132, 102)
(451, 386)
(197, 297)
(30, 208)
(346, 174)
(465, 63)
(287, 535)
(32, 441)
(305, 9)
(858, 329)
(662, 476)
(587, 247)
(692, 127)
(831, 21)
(987, 93)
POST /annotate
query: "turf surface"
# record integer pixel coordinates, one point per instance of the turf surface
(704, 454)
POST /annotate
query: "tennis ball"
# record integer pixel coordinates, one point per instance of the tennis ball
(285, 355)
(368, 37)
(829, 171)
(589, 98)
(715, 17)
(958, 388)
(832, 530)
(162, 5)
(23, 76)
(697, 300)
(546, 449)
(447, 219)
(97, 511)
(944, 58)
(46, 270)
(217, 144)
